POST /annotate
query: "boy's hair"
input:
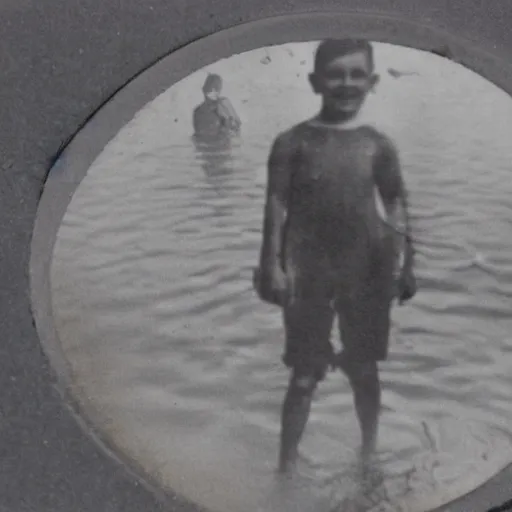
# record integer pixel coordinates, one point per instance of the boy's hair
(212, 83)
(331, 49)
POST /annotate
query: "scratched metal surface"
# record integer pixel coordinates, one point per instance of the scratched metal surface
(60, 60)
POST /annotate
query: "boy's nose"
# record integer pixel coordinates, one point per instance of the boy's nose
(343, 82)
(348, 80)
(344, 85)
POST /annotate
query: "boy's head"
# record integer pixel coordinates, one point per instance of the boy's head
(343, 75)
(212, 87)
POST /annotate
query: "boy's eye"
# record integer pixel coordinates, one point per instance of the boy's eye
(359, 73)
(356, 73)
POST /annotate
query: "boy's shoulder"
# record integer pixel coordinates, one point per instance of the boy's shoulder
(292, 135)
(199, 108)
(381, 139)
(299, 132)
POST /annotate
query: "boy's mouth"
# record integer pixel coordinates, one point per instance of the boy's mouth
(347, 95)
(351, 101)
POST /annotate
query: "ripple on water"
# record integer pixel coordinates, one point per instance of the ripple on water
(153, 300)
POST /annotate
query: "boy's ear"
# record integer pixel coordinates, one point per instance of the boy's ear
(374, 80)
(315, 83)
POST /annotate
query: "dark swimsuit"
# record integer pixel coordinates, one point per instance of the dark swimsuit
(212, 119)
(337, 256)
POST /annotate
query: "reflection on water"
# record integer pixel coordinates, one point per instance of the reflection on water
(214, 156)
(181, 363)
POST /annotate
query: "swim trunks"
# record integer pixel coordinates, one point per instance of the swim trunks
(320, 292)
(339, 258)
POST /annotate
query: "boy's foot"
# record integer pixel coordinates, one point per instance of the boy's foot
(407, 286)
(287, 468)
(371, 475)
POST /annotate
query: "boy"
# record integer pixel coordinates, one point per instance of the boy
(215, 116)
(326, 251)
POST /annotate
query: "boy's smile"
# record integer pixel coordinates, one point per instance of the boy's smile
(212, 95)
(344, 83)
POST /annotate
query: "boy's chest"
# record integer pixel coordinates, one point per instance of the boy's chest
(208, 113)
(333, 163)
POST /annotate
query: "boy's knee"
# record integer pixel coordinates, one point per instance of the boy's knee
(304, 384)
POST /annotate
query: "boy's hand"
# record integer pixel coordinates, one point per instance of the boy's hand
(407, 286)
(271, 285)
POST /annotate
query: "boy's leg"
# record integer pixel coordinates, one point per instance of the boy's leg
(308, 326)
(364, 324)
(365, 383)
(295, 414)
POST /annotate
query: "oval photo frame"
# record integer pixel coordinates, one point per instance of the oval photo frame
(76, 159)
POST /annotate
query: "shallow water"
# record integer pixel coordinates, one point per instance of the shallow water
(180, 361)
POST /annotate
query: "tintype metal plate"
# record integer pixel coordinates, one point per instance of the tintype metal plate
(183, 395)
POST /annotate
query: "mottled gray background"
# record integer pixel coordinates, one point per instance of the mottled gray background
(60, 59)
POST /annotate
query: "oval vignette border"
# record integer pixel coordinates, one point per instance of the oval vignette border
(77, 157)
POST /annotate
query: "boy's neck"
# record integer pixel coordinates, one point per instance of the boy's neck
(327, 116)
(329, 121)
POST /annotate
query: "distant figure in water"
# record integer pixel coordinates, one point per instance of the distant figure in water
(326, 249)
(215, 117)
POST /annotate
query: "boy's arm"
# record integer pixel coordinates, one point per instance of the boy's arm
(391, 185)
(278, 183)
(196, 119)
(230, 111)
(390, 182)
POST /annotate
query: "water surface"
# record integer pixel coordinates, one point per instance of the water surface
(181, 363)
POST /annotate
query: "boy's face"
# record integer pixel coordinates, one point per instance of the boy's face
(344, 83)
(213, 94)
